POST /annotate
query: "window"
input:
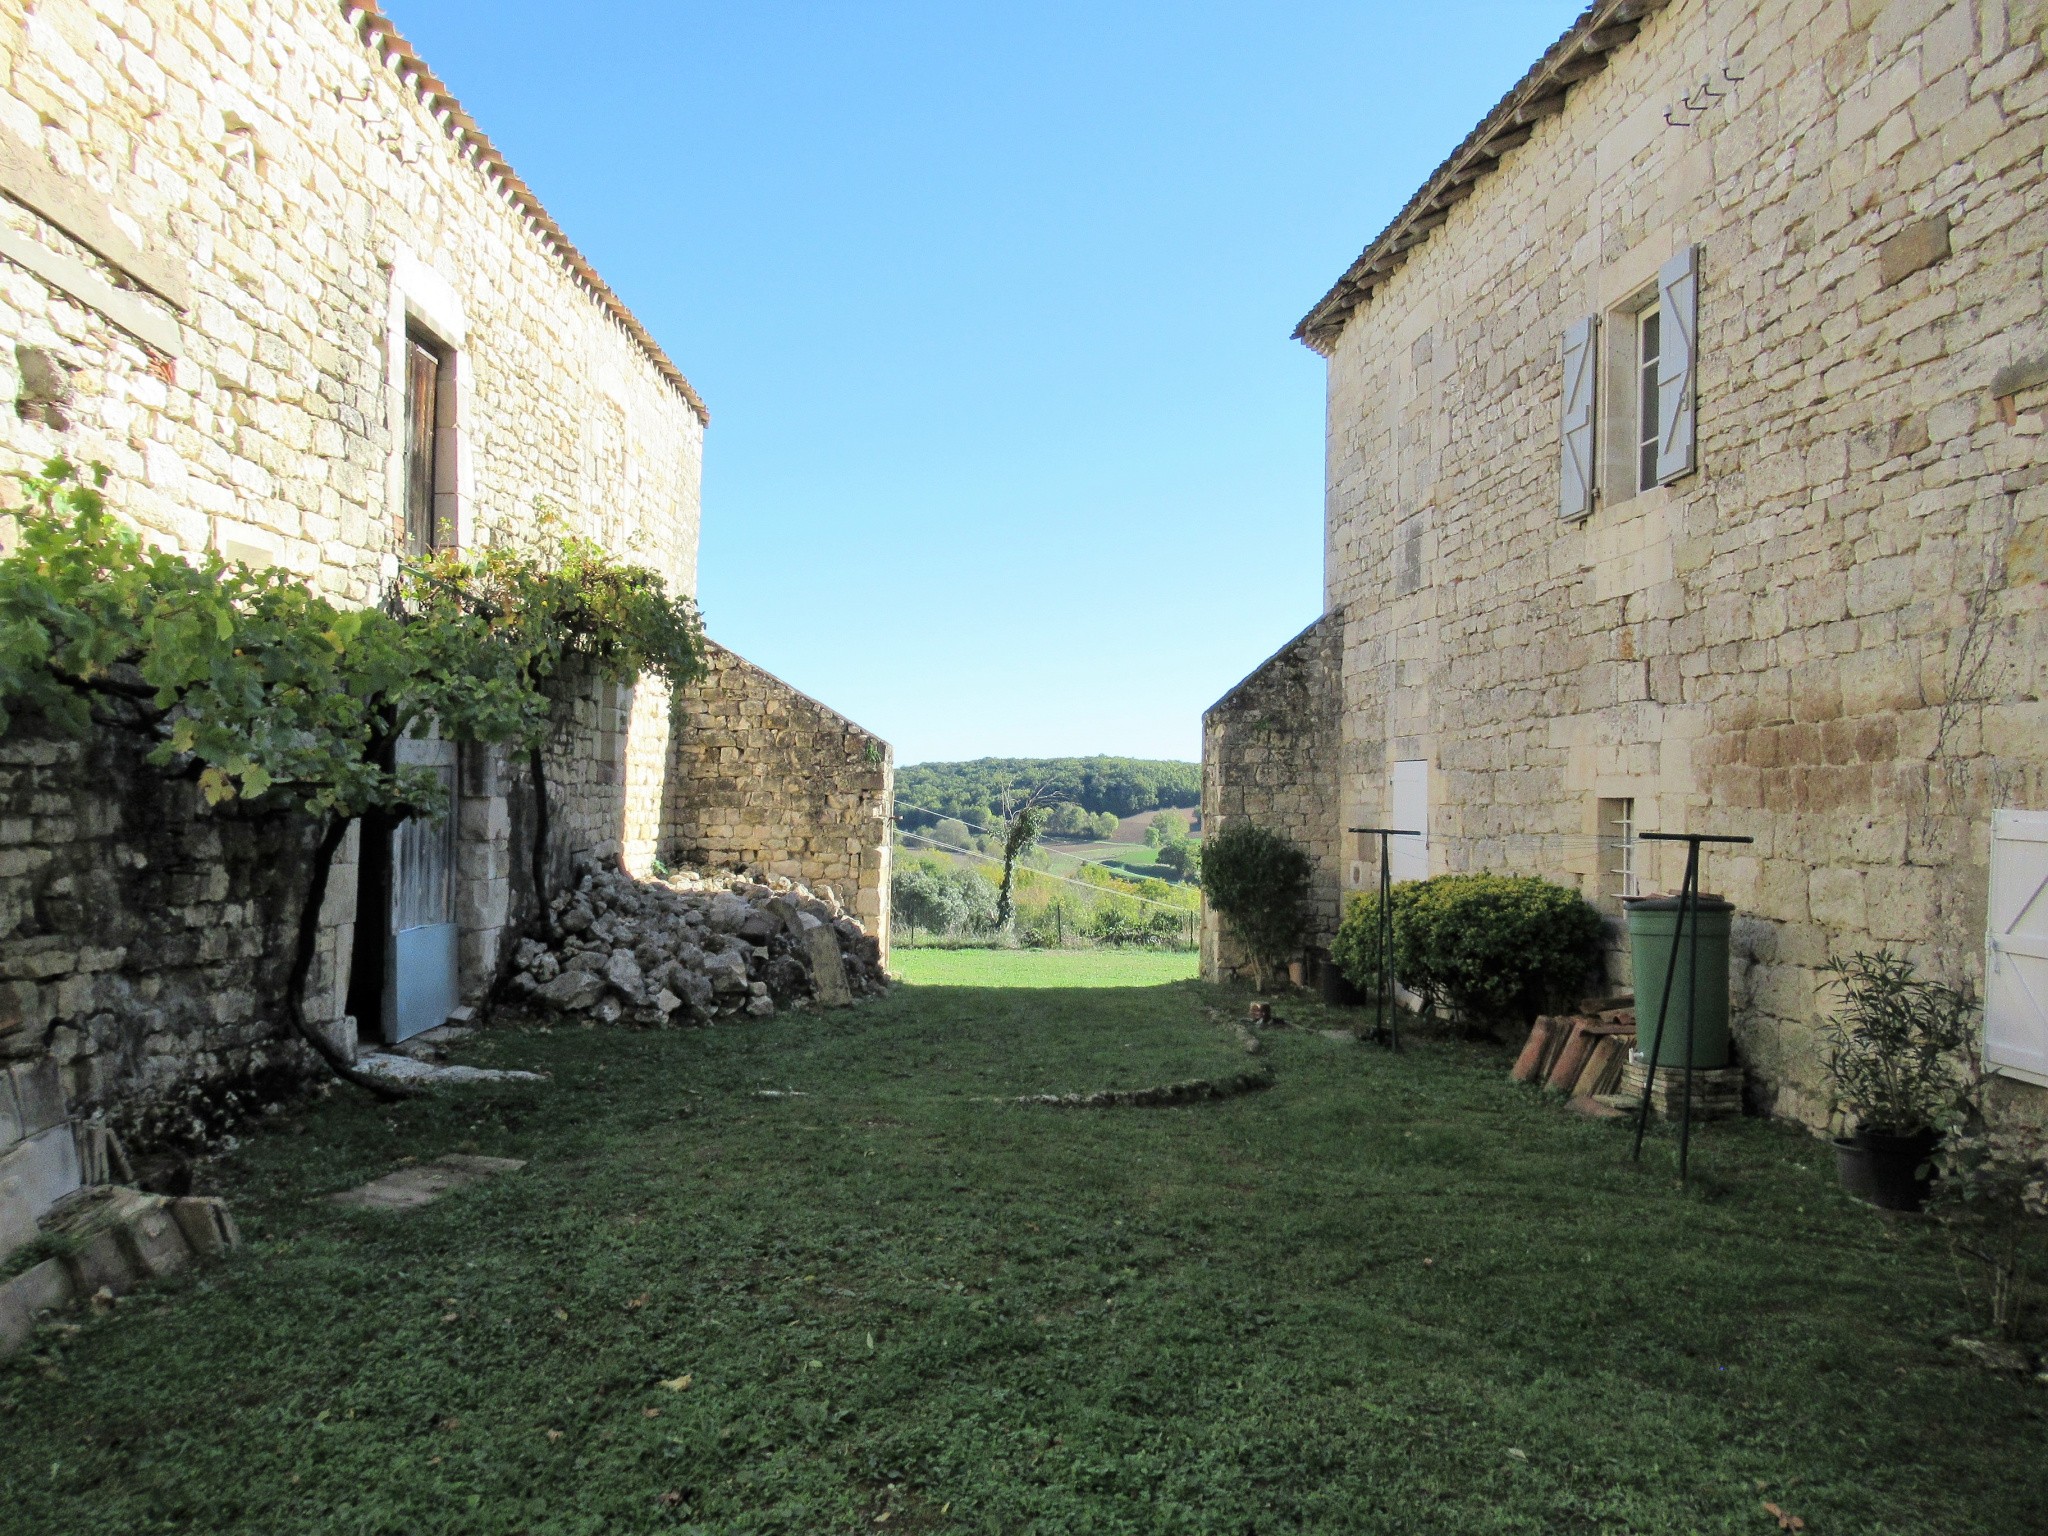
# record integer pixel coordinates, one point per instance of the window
(429, 523)
(1626, 394)
(1648, 325)
(1618, 849)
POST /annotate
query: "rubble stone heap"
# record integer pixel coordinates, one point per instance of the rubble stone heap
(689, 948)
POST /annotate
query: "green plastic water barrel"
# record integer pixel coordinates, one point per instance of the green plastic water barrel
(1652, 923)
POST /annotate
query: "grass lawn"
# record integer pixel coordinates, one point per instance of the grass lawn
(1391, 1293)
(1041, 967)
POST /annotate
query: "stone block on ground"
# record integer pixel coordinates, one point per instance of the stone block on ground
(1716, 1092)
(208, 1225)
(17, 1327)
(828, 970)
(409, 1188)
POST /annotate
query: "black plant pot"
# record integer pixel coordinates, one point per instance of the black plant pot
(1888, 1171)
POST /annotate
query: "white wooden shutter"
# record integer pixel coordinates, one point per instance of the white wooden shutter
(2016, 947)
(1408, 857)
(1575, 477)
(1678, 328)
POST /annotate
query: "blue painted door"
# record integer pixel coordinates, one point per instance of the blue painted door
(422, 977)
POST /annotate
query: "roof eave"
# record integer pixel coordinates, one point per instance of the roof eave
(1581, 53)
(381, 35)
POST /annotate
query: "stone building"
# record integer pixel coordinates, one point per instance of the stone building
(256, 259)
(1686, 472)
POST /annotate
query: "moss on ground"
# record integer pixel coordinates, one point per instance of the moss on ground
(1393, 1293)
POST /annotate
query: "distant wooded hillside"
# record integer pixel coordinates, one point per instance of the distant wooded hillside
(973, 792)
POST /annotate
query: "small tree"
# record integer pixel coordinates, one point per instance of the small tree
(921, 896)
(559, 611)
(1020, 830)
(1259, 882)
(245, 682)
(1167, 828)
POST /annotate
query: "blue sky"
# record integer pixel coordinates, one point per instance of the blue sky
(1010, 453)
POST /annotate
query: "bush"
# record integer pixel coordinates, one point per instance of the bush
(1494, 947)
(1258, 881)
(941, 901)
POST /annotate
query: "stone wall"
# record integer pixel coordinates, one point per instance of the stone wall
(1834, 636)
(219, 222)
(292, 174)
(221, 219)
(764, 778)
(1269, 756)
(144, 941)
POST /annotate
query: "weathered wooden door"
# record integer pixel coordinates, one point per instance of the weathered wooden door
(422, 978)
(2016, 946)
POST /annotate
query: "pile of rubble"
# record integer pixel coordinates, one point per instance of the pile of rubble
(689, 948)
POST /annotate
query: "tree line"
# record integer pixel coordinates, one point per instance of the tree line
(973, 792)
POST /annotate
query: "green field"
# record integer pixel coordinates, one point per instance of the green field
(1392, 1293)
(1041, 967)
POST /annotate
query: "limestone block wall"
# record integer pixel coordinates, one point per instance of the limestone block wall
(763, 777)
(1270, 756)
(143, 937)
(1833, 636)
(301, 191)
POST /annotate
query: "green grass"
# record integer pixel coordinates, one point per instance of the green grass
(1041, 967)
(1390, 1294)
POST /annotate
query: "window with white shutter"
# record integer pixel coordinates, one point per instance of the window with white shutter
(1678, 303)
(2016, 947)
(1575, 479)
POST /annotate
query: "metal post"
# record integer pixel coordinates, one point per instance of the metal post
(1664, 1006)
(1386, 1028)
(1688, 908)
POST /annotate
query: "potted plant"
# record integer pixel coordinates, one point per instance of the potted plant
(1897, 1057)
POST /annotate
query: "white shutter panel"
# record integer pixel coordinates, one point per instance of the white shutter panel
(1408, 857)
(2016, 947)
(1678, 328)
(1575, 478)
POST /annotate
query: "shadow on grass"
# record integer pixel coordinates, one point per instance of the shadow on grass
(1393, 1293)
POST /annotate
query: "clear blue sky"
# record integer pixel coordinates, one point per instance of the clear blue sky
(1010, 453)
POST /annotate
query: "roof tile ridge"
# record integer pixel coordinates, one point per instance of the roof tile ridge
(379, 33)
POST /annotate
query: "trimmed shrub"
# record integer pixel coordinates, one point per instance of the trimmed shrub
(1258, 880)
(1497, 948)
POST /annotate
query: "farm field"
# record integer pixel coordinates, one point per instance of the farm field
(822, 1274)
